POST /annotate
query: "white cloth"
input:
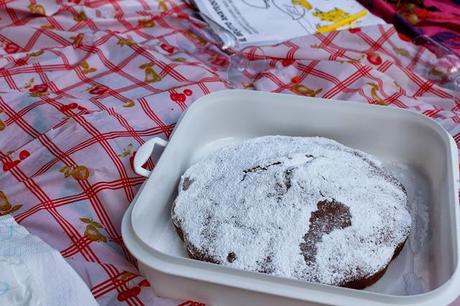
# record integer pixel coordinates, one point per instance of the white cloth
(32, 273)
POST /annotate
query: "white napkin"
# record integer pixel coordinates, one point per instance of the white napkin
(32, 273)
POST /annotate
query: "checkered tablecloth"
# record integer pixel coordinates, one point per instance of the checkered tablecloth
(84, 83)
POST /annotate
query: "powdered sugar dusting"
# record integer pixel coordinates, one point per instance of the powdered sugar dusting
(249, 206)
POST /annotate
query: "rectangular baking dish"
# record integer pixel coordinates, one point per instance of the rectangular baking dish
(426, 271)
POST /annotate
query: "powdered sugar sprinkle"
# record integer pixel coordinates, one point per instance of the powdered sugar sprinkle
(248, 206)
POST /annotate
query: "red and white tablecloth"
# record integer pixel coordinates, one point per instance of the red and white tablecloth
(84, 83)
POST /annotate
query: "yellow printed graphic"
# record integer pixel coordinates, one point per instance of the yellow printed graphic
(92, 230)
(5, 205)
(332, 15)
(374, 93)
(128, 151)
(305, 91)
(129, 103)
(86, 68)
(37, 9)
(402, 52)
(303, 3)
(162, 6)
(77, 40)
(36, 53)
(79, 172)
(146, 23)
(125, 42)
(80, 17)
(150, 75)
(339, 17)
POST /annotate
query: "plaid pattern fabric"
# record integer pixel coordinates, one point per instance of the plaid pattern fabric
(85, 82)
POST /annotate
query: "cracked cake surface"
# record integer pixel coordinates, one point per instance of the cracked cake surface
(307, 208)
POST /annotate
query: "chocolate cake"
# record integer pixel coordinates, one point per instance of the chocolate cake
(307, 208)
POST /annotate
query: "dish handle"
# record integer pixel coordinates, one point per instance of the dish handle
(143, 154)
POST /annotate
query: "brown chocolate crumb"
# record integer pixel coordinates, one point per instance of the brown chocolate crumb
(231, 257)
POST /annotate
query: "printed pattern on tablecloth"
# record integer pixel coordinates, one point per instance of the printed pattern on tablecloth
(84, 83)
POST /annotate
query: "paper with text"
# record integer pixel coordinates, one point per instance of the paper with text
(267, 22)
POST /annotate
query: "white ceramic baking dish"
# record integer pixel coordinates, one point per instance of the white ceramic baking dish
(425, 273)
